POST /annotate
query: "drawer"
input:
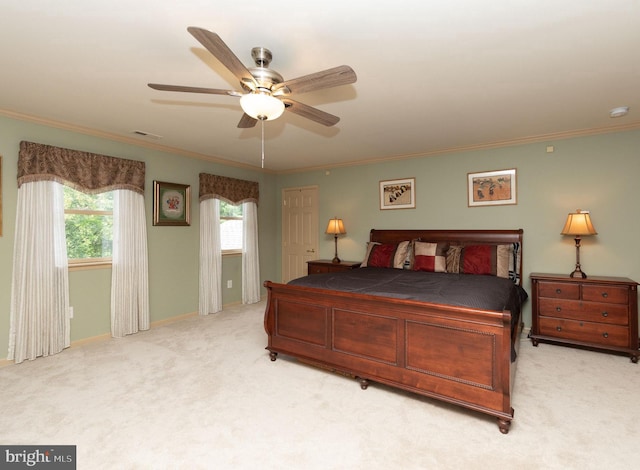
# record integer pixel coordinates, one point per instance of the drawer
(615, 314)
(609, 294)
(559, 290)
(586, 332)
(317, 268)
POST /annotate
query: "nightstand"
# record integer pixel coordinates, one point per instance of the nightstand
(327, 266)
(597, 312)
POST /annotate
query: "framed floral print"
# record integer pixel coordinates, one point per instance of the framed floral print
(171, 203)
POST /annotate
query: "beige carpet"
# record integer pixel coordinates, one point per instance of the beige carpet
(202, 393)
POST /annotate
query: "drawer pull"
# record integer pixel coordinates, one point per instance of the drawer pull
(558, 309)
(605, 334)
(559, 328)
(558, 291)
(605, 314)
(605, 295)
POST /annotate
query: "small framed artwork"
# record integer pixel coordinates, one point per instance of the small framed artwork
(171, 203)
(398, 194)
(492, 188)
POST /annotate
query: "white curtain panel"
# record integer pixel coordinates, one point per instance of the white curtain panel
(250, 255)
(39, 318)
(210, 289)
(130, 271)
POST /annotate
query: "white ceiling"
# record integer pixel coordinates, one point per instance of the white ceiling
(432, 76)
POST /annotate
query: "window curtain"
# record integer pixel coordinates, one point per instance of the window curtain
(210, 284)
(39, 295)
(250, 255)
(233, 191)
(39, 315)
(129, 272)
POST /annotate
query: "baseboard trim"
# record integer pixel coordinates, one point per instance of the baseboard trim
(106, 336)
(169, 320)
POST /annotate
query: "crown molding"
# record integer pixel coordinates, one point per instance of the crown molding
(185, 153)
(126, 140)
(488, 145)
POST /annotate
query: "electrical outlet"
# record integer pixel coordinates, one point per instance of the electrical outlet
(70, 312)
(229, 284)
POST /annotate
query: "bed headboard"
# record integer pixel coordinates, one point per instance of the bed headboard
(454, 237)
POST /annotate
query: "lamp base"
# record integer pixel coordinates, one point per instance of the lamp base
(578, 273)
(335, 259)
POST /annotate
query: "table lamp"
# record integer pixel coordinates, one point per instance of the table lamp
(578, 224)
(335, 227)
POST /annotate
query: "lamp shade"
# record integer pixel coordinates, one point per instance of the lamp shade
(261, 106)
(335, 227)
(579, 223)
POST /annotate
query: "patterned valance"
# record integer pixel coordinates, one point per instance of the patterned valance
(88, 172)
(231, 190)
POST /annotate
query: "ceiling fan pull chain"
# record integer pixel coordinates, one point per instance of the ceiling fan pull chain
(262, 125)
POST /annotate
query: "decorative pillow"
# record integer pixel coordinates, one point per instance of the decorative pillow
(453, 259)
(514, 263)
(430, 257)
(494, 260)
(387, 255)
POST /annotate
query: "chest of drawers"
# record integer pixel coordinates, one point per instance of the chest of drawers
(596, 312)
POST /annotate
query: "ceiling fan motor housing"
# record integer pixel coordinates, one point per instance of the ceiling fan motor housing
(265, 78)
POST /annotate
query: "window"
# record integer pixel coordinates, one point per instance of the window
(88, 222)
(230, 227)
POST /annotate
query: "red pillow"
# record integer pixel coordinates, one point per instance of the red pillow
(479, 259)
(381, 256)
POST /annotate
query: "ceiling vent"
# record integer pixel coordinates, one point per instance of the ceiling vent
(148, 134)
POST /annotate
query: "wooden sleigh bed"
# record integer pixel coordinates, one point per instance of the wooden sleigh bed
(458, 354)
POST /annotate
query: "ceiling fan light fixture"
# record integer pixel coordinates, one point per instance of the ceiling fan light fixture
(262, 106)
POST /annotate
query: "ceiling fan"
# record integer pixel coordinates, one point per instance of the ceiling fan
(266, 93)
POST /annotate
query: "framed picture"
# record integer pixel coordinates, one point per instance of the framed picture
(492, 188)
(171, 203)
(398, 194)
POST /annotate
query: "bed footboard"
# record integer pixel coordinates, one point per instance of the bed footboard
(455, 354)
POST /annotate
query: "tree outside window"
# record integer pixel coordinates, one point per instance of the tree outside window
(88, 226)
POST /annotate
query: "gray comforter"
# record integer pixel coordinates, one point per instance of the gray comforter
(467, 290)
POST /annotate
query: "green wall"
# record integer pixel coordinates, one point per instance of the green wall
(173, 251)
(597, 173)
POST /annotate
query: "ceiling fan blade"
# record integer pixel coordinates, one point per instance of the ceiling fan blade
(215, 45)
(309, 112)
(193, 89)
(336, 76)
(247, 122)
